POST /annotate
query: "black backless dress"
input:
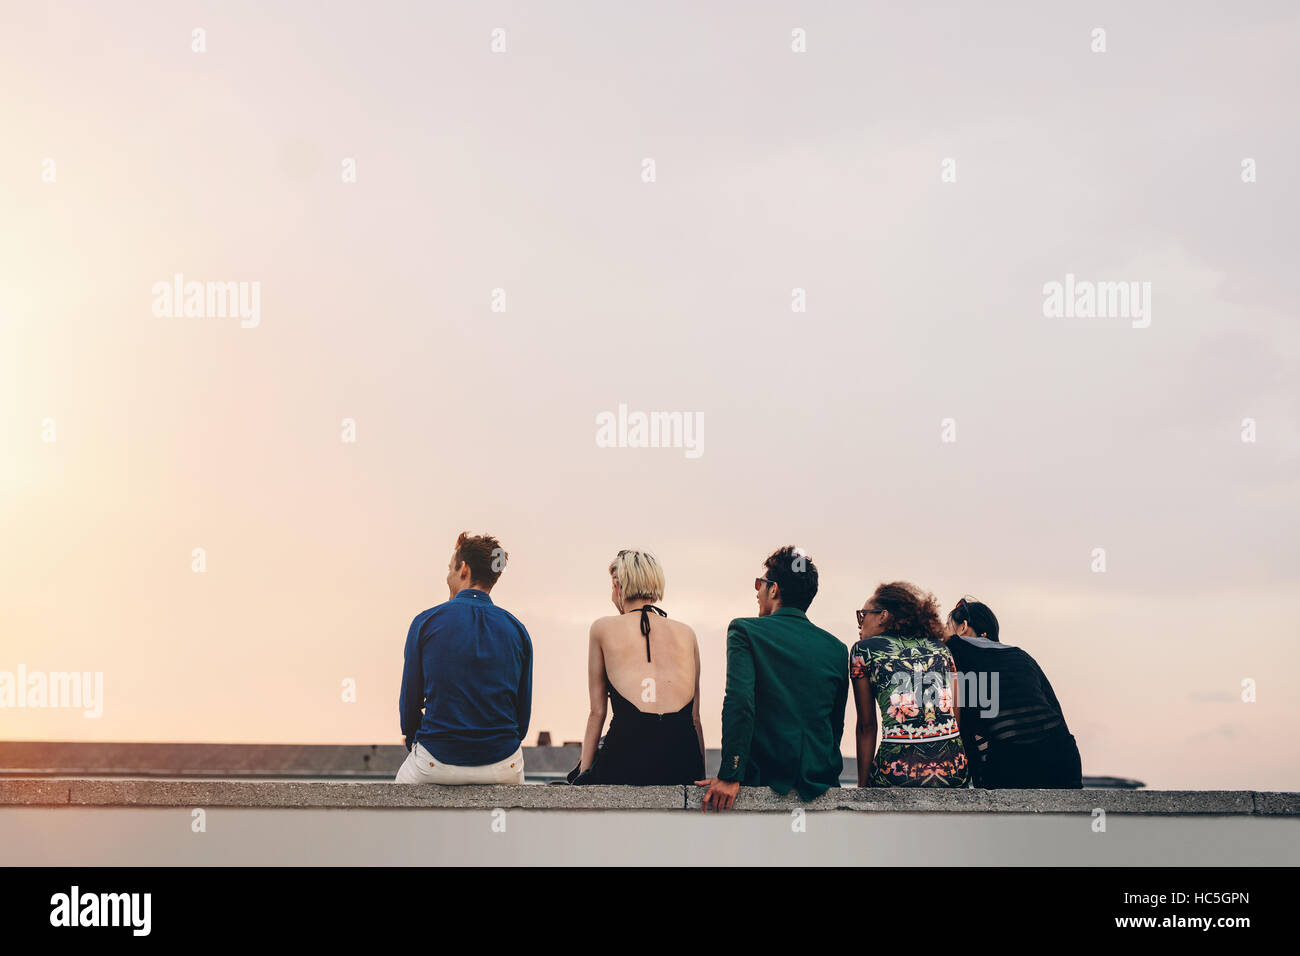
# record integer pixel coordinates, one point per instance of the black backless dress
(646, 749)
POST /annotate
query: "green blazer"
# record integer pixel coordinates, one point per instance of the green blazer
(783, 716)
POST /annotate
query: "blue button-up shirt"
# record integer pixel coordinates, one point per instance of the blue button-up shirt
(469, 667)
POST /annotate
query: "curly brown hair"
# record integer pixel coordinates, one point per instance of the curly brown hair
(912, 612)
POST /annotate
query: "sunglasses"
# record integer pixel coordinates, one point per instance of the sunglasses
(862, 614)
(962, 605)
(759, 582)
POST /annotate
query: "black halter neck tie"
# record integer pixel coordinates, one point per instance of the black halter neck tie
(645, 623)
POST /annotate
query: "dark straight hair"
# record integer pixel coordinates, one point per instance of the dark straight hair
(485, 557)
(979, 616)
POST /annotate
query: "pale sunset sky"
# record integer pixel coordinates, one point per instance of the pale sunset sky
(774, 170)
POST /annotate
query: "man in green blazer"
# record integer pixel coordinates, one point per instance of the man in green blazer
(787, 686)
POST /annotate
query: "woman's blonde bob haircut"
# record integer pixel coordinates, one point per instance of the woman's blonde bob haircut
(639, 574)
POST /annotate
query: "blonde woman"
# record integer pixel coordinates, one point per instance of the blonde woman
(647, 666)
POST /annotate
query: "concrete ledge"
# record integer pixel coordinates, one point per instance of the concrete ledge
(98, 792)
(1164, 802)
(274, 793)
(1277, 804)
(42, 792)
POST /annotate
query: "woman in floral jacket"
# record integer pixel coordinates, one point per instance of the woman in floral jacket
(902, 666)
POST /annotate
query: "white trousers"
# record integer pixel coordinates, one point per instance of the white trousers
(422, 767)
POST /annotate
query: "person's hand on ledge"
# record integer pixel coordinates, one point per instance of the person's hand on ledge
(721, 793)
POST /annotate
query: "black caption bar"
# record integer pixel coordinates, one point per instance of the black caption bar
(330, 905)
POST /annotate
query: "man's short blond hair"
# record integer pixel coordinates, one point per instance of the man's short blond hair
(639, 574)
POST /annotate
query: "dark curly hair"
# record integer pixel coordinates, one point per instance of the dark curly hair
(795, 575)
(912, 612)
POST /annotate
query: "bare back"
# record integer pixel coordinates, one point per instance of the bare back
(664, 684)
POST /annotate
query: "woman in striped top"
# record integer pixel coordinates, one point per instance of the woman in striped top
(1013, 724)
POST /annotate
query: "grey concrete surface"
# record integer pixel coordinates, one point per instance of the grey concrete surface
(1280, 804)
(1177, 802)
(297, 793)
(153, 792)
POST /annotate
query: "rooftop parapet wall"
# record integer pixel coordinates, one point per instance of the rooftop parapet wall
(52, 792)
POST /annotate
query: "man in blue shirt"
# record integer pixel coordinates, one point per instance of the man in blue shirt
(467, 686)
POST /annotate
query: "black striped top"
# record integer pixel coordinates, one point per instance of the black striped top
(1010, 718)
